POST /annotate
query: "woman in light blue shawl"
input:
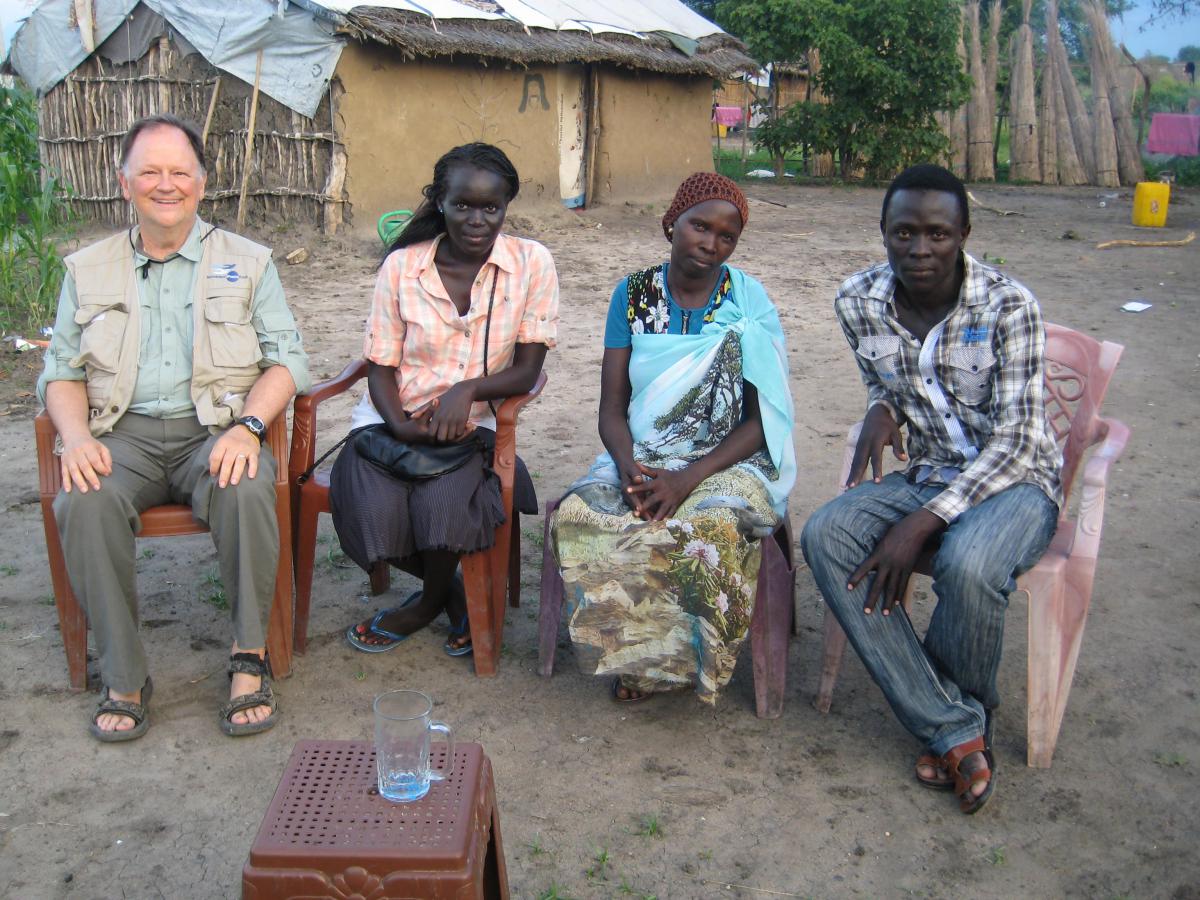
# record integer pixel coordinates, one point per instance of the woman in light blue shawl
(658, 543)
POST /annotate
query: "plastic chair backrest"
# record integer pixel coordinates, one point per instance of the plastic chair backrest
(1078, 371)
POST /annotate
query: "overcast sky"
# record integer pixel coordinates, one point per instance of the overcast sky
(1164, 38)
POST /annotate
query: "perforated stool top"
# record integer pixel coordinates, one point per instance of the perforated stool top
(327, 813)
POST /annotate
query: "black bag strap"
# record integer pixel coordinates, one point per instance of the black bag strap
(308, 473)
(487, 332)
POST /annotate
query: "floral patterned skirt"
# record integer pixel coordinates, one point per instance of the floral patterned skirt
(665, 605)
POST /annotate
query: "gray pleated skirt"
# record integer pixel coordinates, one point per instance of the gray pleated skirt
(378, 517)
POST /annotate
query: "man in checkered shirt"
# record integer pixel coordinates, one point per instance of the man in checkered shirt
(951, 350)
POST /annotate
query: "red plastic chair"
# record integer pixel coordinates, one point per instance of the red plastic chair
(1059, 587)
(770, 624)
(163, 521)
(487, 575)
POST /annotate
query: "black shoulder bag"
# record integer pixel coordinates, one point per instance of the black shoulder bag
(415, 462)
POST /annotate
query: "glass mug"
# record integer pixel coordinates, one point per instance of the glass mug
(402, 727)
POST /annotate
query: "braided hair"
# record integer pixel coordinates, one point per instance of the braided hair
(428, 221)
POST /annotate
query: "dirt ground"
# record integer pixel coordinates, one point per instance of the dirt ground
(668, 798)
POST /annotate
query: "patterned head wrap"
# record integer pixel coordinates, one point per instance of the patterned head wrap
(700, 187)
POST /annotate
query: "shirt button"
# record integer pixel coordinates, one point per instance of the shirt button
(116, 408)
(974, 368)
(929, 381)
(167, 329)
(166, 362)
(468, 333)
(460, 365)
(947, 415)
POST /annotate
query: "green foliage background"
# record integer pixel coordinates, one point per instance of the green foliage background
(33, 218)
(886, 67)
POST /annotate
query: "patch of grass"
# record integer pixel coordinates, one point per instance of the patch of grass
(8, 571)
(360, 675)
(536, 847)
(147, 553)
(533, 536)
(599, 867)
(996, 856)
(213, 591)
(554, 892)
(706, 855)
(48, 600)
(1171, 760)
(650, 827)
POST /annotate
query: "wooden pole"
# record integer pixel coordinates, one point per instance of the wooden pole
(212, 108)
(745, 120)
(241, 210)
(593, 143)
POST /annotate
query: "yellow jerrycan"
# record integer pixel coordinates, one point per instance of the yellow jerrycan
(1150, 199)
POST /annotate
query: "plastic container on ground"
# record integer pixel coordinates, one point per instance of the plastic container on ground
(1150, 199)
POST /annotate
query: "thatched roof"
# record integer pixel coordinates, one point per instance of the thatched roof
(716, 56)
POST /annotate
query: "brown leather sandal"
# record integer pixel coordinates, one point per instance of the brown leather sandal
(935, 762)
(967, 801)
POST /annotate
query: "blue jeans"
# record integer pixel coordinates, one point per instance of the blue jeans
(939, 688)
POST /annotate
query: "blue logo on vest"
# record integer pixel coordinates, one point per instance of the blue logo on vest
(975, 335)
(226, 272)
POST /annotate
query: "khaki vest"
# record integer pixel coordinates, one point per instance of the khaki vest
(225, 350)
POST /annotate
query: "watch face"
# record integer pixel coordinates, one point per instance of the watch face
(255, 424)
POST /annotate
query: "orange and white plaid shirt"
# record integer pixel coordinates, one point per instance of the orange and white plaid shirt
(414, 325)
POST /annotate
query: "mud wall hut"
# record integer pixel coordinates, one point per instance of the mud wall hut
(354, 103)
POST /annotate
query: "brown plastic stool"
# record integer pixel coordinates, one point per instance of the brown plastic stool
(328, 833)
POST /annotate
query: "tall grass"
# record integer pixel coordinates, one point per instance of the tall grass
(34, 217)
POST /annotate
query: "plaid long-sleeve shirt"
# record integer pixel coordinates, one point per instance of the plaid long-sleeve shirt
(970, 393)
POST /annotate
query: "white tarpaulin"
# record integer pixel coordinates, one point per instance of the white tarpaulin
(621, 16)
(300, 52)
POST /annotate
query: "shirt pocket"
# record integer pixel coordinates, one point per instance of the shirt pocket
(969, 373)
(231, 335)
(881, 352)
(102, 320)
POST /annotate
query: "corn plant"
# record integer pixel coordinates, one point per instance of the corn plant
(34, 217)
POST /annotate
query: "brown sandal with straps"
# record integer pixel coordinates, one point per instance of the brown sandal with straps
(248, 664)
(935, 762)
(963, 782)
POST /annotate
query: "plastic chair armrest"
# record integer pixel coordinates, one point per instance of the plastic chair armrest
(304, 418)
(506, 415)
(1090, 523)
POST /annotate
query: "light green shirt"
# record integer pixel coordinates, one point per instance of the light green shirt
(165, 290)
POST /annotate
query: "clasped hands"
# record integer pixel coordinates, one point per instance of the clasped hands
(655, 494)
(895, 555)
(443, 420)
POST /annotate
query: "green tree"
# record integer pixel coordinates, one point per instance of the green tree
(1189, 53)
(886, 67)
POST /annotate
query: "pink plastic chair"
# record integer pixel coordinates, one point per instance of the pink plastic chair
(770, 625)
(1059, 587)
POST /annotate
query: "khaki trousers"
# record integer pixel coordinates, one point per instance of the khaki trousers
(158, 461)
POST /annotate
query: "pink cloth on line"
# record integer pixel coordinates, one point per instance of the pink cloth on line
(727, 115)
(1174, 133)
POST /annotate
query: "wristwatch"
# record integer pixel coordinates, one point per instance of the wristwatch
(254, 425)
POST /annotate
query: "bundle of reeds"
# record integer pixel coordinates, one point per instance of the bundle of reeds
(1104, 137)
(1071, 169)
(991, 60)
(1048, 124)
(980, 165)
(821, 163)
(1023, 143)
(1077, 113)
(1129, 159)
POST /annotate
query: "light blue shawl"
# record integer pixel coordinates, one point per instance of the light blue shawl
(664, 367)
